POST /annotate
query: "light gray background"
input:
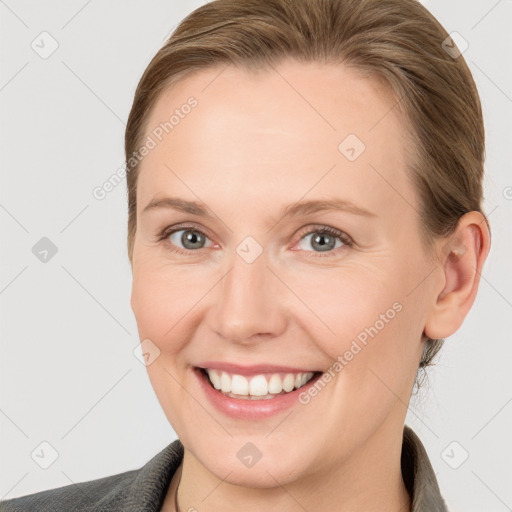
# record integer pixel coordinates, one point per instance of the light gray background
(68, 373)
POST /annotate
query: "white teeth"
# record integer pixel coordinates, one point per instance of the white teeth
(239, 385)
(225, 382)
(215, 379)
(275, 385)
(258, 386)
(289, 382)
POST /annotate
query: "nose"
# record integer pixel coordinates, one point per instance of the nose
(250, 303)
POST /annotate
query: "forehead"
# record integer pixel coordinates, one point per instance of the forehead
(284, 132)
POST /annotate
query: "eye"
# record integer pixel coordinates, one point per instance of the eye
(324, 239)
(188, 237)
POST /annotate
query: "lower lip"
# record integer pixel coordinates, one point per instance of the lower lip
(250, 409)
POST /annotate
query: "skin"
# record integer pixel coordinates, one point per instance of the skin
(255, 143)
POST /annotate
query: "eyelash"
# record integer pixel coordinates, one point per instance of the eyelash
(320, 229)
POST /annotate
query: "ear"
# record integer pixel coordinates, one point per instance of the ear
(462, 258)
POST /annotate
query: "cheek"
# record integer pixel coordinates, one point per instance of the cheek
(168, 301)
(368, 323)
(351, 302)
(163, 304)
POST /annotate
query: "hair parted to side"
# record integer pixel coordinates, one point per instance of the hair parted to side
(397, 42)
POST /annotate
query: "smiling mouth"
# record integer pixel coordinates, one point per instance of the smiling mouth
(263, 386)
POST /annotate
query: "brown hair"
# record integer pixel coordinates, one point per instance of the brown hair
(395, 41)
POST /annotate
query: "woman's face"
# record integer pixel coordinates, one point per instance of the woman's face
(249, 283)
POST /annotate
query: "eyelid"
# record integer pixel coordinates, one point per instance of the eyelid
(324, 228)
(169, 230)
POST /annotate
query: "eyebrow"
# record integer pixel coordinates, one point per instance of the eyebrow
(298, 209)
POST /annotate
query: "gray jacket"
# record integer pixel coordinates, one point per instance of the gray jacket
(144, 489)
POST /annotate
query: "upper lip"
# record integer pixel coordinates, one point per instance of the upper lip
(251, 369)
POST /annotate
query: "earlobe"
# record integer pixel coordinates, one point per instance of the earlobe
(462, 261)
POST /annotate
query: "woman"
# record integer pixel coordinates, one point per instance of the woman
(305, 228)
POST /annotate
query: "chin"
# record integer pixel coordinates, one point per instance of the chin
(248, 460)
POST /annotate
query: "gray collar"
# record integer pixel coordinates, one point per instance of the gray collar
(419, 476)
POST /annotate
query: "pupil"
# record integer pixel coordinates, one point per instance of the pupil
(324, 246)
(191, 238)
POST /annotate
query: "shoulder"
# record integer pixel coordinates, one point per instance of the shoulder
(138, 489)
(78, 496)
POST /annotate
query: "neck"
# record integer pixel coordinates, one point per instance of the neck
(369, 480)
